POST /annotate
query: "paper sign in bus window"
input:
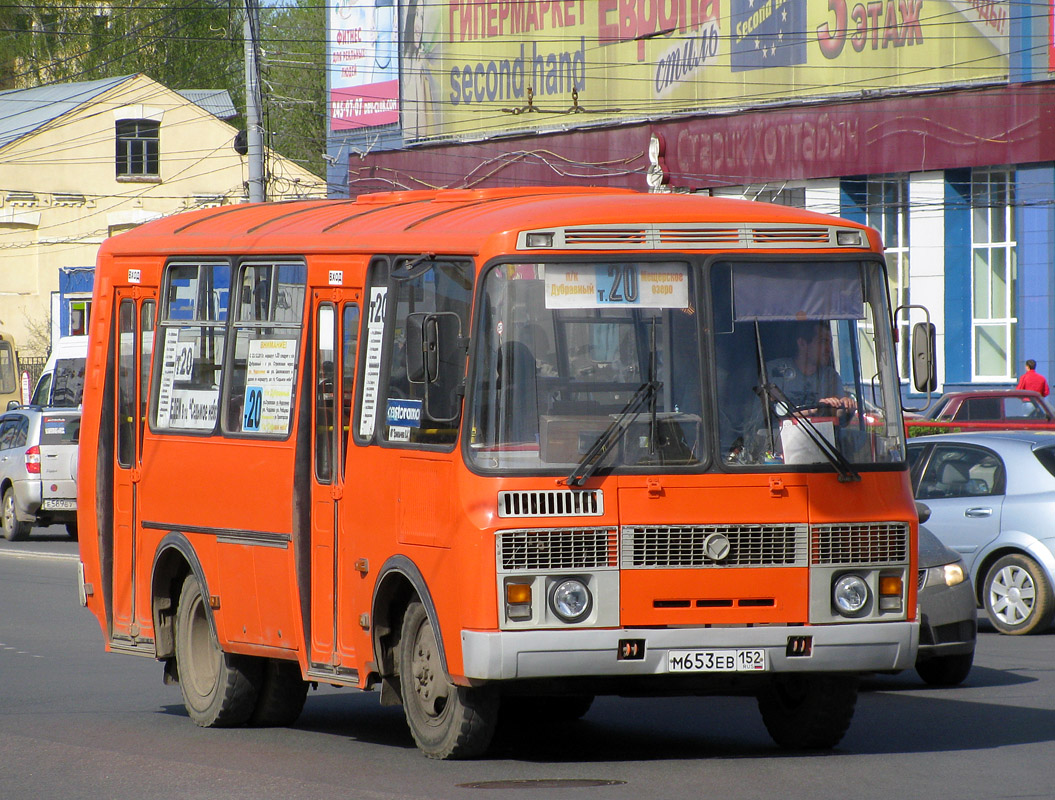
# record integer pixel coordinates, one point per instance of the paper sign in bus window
(617, 285)
(270, 372)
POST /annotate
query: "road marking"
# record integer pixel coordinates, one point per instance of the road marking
(37, 554)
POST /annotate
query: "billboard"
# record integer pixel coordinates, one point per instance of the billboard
(473, 68)
(363, 67)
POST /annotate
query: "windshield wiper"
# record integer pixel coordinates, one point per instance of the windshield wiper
(647, 391)
(828, 449)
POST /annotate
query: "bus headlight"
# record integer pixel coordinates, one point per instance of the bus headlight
(570, 600)
(850, 595)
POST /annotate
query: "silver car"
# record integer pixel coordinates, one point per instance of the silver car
(992, 499)
(948, 626)
(38, 469)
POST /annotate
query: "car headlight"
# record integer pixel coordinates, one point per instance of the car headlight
(571, 600)
(850, 595)
(948, 574)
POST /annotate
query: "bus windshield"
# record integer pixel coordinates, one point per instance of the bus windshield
(605, 366)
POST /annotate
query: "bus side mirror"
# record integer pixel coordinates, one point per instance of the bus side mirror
(924, 358)
(435, 357)
(416, 348)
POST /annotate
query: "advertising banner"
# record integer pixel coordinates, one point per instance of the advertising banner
(480, 67)
(363, 65)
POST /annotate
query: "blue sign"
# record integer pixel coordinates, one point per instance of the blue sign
(767, 33)
(251, 412)
(403, 413)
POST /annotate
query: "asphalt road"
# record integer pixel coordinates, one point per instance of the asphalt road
(76, 722)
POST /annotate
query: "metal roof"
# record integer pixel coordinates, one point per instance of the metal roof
(24, 111)
(217, 102)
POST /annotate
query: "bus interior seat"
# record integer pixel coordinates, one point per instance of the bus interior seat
(518, 391)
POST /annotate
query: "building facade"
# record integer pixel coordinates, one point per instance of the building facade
(932, 120)
(83, 161)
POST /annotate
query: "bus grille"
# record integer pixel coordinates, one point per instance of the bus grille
(551, 503)
(859, 543)
(538, 550)
(657, 546)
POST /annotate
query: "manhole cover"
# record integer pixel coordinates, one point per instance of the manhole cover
(541, 783)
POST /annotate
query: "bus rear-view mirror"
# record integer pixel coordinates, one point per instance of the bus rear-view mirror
(924, 358)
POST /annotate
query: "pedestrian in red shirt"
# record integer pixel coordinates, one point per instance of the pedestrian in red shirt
(1033, 380)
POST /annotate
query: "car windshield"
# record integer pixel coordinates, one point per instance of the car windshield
(605, 365)
(1046, 456)
(68, 383)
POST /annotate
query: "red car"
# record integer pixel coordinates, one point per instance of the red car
(984, 409)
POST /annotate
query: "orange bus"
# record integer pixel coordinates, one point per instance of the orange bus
(499, 451)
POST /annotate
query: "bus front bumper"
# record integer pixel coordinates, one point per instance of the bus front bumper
(851, 647)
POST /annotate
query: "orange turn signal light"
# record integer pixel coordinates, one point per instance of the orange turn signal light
(518, 593)
(890, 584)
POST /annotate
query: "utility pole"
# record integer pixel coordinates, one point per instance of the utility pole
(254, 129)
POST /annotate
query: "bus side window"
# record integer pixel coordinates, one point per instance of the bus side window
(266, 333)
(392, 401)
(191, 330)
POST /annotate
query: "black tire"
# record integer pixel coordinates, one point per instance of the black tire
(808, 712)
(538, 710)
(946, 670)
(71, 530)
(14, 530)
(446, 721)
(1018, 596)
(219, 689)
(282, 695)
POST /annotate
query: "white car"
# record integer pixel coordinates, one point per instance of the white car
(991, 496)
(38, 469)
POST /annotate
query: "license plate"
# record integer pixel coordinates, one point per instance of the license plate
(59, 504)
(716, 660)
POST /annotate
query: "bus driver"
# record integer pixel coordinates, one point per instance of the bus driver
(808, 379)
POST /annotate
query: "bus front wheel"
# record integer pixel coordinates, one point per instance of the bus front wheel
(446, 721)
(808, 712)
(219, 689)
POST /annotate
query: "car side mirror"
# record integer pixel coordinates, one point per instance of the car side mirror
(924, 357)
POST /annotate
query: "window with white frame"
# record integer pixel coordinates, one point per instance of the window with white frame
(887, 212)
(993, 274)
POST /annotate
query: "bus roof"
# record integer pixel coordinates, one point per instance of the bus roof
(454, 220)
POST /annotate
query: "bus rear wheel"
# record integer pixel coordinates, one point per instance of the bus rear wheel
(446, 721)
(282, 695)
(808, 712)
(219, 689)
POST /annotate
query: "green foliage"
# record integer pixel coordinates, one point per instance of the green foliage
(190, 44)
(294, 81)
(195, 44)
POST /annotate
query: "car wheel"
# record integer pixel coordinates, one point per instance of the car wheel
(447, 721)
(14, 530)
(71, 530)
(219, 689)
(1018, 596)
(946, 670)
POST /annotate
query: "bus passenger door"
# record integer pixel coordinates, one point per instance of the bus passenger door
(336, 329)
(135, 342)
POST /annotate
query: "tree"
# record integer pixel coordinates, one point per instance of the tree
(190, 44)
(294, 81)
(195, 44)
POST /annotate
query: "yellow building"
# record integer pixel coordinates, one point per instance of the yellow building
(83, 161)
